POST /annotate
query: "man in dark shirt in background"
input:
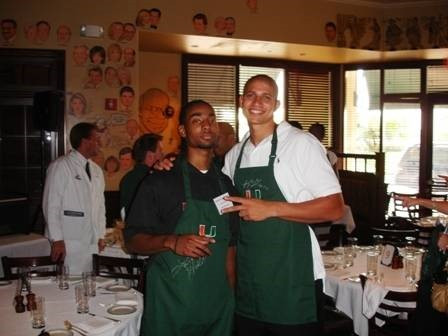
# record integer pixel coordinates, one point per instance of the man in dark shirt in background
(177, 217)
(147, 150)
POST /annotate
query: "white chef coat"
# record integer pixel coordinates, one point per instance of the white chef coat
(74, 208)
(301, 169)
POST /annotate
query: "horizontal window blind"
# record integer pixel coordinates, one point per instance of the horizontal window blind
(402, 80)
(215, 84)
(309, 100)
(437, 78)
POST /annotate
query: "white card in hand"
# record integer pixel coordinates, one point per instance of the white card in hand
(221, 203)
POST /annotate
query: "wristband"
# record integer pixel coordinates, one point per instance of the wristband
(175, 243)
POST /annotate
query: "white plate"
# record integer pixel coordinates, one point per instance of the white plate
(60, 332)
(121, 310)
(117, 288)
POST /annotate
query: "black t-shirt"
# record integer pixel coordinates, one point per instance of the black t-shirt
(158, 204)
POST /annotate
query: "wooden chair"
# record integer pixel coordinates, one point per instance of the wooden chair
(38, 266)
(120, 268)
(394, 236)
(395, 314)
(397, 311)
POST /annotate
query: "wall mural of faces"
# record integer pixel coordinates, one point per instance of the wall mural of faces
(148, 18)
(103, 91)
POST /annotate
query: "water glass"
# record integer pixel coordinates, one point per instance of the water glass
(372, 263)
(349, 256)
(378, 242)
(82, 299)
(38, 313)
(62, 276)
(89, 282)
(410, 268)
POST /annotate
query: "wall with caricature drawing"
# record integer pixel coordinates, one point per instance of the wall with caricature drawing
(128, 93)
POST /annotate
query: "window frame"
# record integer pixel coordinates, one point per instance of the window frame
(333, 69)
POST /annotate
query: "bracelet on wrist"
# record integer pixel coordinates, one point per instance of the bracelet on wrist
(175, 243)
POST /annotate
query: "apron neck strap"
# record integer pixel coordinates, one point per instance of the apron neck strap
(272, 155)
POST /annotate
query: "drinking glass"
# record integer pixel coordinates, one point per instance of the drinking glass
(89, 282)
(349, 256)
(372, 263)
(410, 268)
(63, 272)
(82, 300)
(378, 242)
(38, 313)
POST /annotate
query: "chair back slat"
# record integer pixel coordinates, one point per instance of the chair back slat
(120, 268)
(36, 265)
(396, 311)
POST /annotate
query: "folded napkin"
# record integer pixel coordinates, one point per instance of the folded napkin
(372, 296)
(126, 299)
(95, 324)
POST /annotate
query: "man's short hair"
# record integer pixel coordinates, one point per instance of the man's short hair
(124, 151)
(187, 108)
(200, 16)
(264, 78)
(147, 142)
(126, 89)
(13, 22)
(81, 131)
(318, 130)
(330, 24)
(156, 10)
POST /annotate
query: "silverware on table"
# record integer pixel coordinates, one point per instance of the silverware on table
(106, 317)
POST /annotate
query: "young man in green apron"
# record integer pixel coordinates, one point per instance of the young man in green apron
(176, 217)
(285, 182)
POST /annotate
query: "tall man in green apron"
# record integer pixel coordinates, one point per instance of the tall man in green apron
(285, 182)
(176, 216)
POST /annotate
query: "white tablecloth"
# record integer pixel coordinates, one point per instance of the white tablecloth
(60, 305)
(348, 294)
(21, 245)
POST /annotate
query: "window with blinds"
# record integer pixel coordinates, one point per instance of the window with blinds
(437, 78)
(402, 81)
(304, 96)
(216, 84)
(309, 100)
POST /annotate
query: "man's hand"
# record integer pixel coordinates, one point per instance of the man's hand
(250, 209)
(445, 177)
(407, 201)
(192, 246)
(58, 251)
(101, 245)
(164, 164)
(442, 243)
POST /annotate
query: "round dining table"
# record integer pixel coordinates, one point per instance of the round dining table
(344, 286)
(105, 319)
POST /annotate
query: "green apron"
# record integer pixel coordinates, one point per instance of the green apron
(191, 296)
(274, 259)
